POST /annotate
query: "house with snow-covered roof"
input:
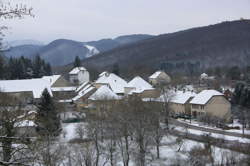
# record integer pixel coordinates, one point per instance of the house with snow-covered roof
(179, 101)
(114, 82)
(103, 95)
(141, 87)
(211, 102)
(27, 89)
(56, 81)
(78, 75)
(159, 78)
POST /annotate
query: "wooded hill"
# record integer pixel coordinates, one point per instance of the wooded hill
(225, 44)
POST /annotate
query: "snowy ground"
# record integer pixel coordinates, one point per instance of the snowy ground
(69, 131)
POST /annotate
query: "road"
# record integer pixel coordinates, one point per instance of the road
(190, 126)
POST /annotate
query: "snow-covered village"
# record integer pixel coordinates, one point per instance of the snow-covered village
(167, 93)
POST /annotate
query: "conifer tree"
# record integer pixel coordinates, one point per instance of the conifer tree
(116, 69)
(77, 62)
(47, 69)
(47, 119)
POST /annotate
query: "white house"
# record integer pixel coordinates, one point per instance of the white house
(141, 87)
(78, 75)
(116, 83)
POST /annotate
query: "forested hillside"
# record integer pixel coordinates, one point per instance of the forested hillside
(225, 44)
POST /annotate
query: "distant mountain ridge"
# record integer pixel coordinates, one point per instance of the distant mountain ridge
(63, 51)
(224, 44)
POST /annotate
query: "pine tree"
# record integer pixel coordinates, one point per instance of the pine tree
(116, 69)
(47, 69)
(37, 64)
(77, 62)
(47, 119)
(2, 67)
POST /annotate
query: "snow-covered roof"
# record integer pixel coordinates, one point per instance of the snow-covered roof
(36, 86)
(155, 75)
(51, 79)
(181, 97)
(115, 82)
(204, 96)
(82, 86)
(103, 73)
(77, 70)
(139, 84)
(65, 101)
(63, 89)
(83, 92)
(104, 93)
(25, 123)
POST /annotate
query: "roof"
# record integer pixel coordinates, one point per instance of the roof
(82, 86)
(51, 79)
(181, 97)
(104, 93)
(77, 70)
(155, 75)
(25, 123)
(103, 73)
(203, 97)
(115, 82)
(204, 75)
(84, 91)
(139, 84)
(63, 89)
(36, 86)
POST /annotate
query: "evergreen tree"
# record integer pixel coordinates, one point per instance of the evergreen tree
(47, 119)
(2, 68)
(77, 62)
(37, 65)
(47, 69)
(116, 69)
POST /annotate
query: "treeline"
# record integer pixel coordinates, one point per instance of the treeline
(23, 68)
(242, 94)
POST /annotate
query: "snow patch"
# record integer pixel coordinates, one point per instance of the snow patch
(92, 51)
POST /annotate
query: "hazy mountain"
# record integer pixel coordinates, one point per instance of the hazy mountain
(129, 39)
(223, 44)
(25, 42)
(23, 50)
(108, 44)
(63, 51)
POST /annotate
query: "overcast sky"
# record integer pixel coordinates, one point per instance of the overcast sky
(86, 20)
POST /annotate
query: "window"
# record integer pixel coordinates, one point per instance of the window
(195, 106)
(202, 107)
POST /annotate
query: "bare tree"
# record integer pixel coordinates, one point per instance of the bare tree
(157, 130)
(8, 10)
(124, 130)
(11, 114)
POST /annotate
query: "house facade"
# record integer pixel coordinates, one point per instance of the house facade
(180, 102)
(159, 78)
(78, 75)
(211, 102)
